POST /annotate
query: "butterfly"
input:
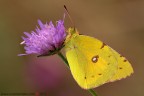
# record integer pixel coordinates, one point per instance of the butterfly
(92, 62)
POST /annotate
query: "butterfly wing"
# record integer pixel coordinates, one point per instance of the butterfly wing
(92, 63)
(124, 67)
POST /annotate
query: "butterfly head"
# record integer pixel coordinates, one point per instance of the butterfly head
(72, 33)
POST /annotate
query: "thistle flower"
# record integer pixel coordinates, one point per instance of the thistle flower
(46, 40)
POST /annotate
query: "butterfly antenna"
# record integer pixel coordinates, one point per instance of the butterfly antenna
(66, 10)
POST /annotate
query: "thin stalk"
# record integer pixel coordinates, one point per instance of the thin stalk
(63, 58)
(93, 93)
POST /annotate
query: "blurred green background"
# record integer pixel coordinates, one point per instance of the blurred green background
(119, 23)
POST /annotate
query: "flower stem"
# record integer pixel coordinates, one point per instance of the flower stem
(63, 58)
(93, 93)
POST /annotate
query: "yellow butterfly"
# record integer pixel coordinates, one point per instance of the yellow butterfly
(92, 62)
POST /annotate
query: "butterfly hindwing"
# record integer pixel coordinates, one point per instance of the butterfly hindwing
(124, 67)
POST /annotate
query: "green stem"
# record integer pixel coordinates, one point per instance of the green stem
(93, 93)
(63, 58)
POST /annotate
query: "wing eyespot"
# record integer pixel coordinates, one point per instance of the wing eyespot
(95, 59)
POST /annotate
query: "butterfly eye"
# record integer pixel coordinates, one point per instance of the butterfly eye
(95, 59)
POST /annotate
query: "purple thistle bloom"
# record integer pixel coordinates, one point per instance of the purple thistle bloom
(47, 40)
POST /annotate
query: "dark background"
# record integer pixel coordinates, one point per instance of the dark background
(119, 23)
